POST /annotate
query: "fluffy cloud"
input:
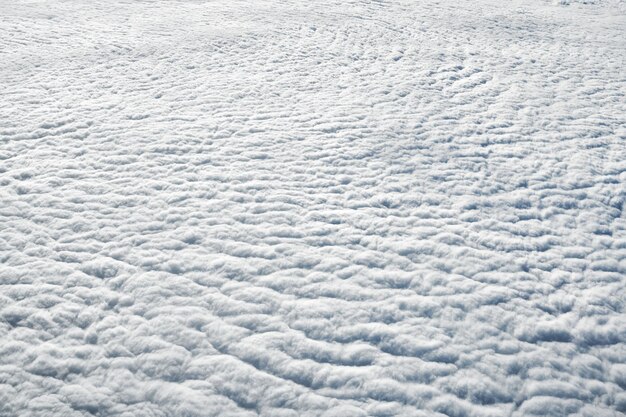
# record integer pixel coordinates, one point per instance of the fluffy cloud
(312, 209)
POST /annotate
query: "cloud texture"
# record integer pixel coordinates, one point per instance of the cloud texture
(285, 208)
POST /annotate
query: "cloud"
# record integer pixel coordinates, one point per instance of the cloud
(312, 209)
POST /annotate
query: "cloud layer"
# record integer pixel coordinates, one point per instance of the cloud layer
(324, 209)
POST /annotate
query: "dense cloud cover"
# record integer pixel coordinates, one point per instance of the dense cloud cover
(288, 208)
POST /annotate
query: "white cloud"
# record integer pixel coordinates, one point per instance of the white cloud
(312, 209)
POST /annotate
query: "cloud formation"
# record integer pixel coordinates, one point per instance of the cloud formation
(312, 209)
